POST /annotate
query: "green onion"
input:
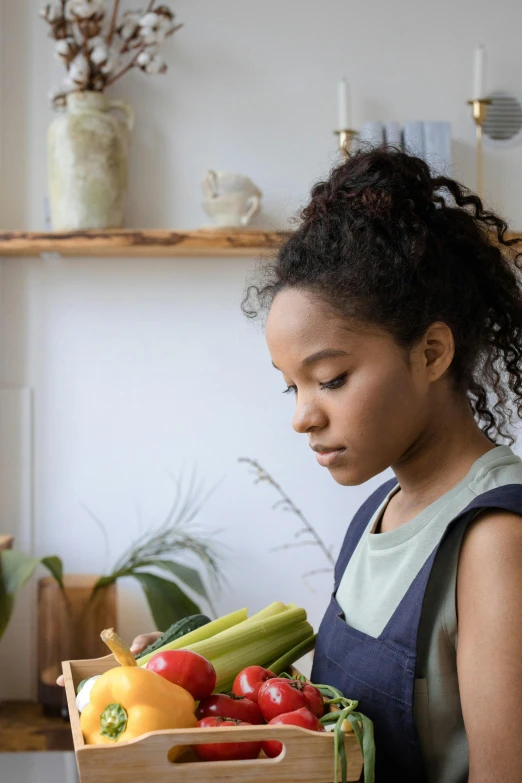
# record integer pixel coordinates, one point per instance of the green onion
(293, 655)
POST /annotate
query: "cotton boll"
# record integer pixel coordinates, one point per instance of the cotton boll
(130, 24)
(95, 41)
(50, 12)
(156, 65)
(79, 71)
(85, 8)
(112, 63)
(64, 49)
(154, 28)
(144, 58)
(100, 54)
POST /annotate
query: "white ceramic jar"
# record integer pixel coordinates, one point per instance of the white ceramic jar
(87, 162)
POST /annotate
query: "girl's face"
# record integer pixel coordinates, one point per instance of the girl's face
(362, 400)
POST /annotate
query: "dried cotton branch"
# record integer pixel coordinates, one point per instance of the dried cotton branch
(98, 48)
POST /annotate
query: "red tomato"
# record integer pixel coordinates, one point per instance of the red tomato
(225, 751)
(186, 669)
(224, 706)
(302, 717)
(315, 700)
(280, 695)
(249, 681)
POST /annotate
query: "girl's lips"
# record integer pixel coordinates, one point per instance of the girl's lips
(329, 458)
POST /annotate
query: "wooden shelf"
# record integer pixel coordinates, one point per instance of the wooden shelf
(24, 728)
(146, 242)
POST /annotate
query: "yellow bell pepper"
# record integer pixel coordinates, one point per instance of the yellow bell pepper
(128, 701)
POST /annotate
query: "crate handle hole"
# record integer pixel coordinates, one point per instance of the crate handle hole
(190, 757)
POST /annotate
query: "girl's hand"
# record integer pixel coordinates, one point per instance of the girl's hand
(140, 643)
(143, 640)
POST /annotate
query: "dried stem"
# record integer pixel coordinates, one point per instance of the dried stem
(114, 18)
(288, 505)
(123, 71)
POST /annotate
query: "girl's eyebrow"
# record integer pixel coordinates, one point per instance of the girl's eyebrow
(326, 353)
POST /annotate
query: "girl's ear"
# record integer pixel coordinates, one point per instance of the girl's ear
(436, 350)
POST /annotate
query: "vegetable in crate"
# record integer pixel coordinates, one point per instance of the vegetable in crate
(176, 631)
(302, 717)
(234, 642)
(128, 701)
(224, 706)
(225, 751)
(83, 693)
(282, 695)
(186, 669)
(249, 681)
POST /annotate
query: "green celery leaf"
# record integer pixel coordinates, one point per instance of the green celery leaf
(168, 603)
(54, 565)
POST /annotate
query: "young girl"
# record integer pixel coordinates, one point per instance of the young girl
(395, 317)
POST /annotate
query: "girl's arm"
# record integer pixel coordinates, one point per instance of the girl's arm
(489, 654)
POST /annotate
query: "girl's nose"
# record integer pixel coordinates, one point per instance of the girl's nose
(308, 417)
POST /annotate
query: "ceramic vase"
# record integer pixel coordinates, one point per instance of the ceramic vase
(88, 147)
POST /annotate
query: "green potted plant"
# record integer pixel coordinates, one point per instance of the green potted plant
(74, 608)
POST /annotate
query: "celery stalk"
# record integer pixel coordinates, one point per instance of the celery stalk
(245, 633)
(218, 626)
(276, 608)
(258, 652)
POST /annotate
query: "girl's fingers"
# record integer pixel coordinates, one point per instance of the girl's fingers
(143, 640)
(60, 681)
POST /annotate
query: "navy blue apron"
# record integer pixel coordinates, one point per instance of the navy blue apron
(380, 673)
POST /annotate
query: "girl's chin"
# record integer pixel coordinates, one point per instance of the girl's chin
(348, 476)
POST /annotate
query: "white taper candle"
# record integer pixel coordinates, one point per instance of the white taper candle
(343, 105)
(479, 73)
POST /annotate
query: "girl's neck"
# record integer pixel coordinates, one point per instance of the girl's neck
(439, 459)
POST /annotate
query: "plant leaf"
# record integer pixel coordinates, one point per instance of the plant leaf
(55, 566)
(16, 568)
(6, 602)
(185, 574)
(167, 600)
(103, 581)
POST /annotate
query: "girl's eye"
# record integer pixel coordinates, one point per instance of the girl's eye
(336, 383)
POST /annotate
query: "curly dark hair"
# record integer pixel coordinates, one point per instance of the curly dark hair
(386, 242)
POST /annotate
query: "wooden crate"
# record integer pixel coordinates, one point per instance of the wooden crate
(308, 755)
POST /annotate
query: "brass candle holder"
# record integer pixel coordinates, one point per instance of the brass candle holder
(480, 111)
(347, 137)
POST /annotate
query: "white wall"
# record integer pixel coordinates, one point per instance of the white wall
(252, 86)
(140, 368)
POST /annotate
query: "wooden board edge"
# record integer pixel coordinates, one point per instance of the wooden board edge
(74, 715)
